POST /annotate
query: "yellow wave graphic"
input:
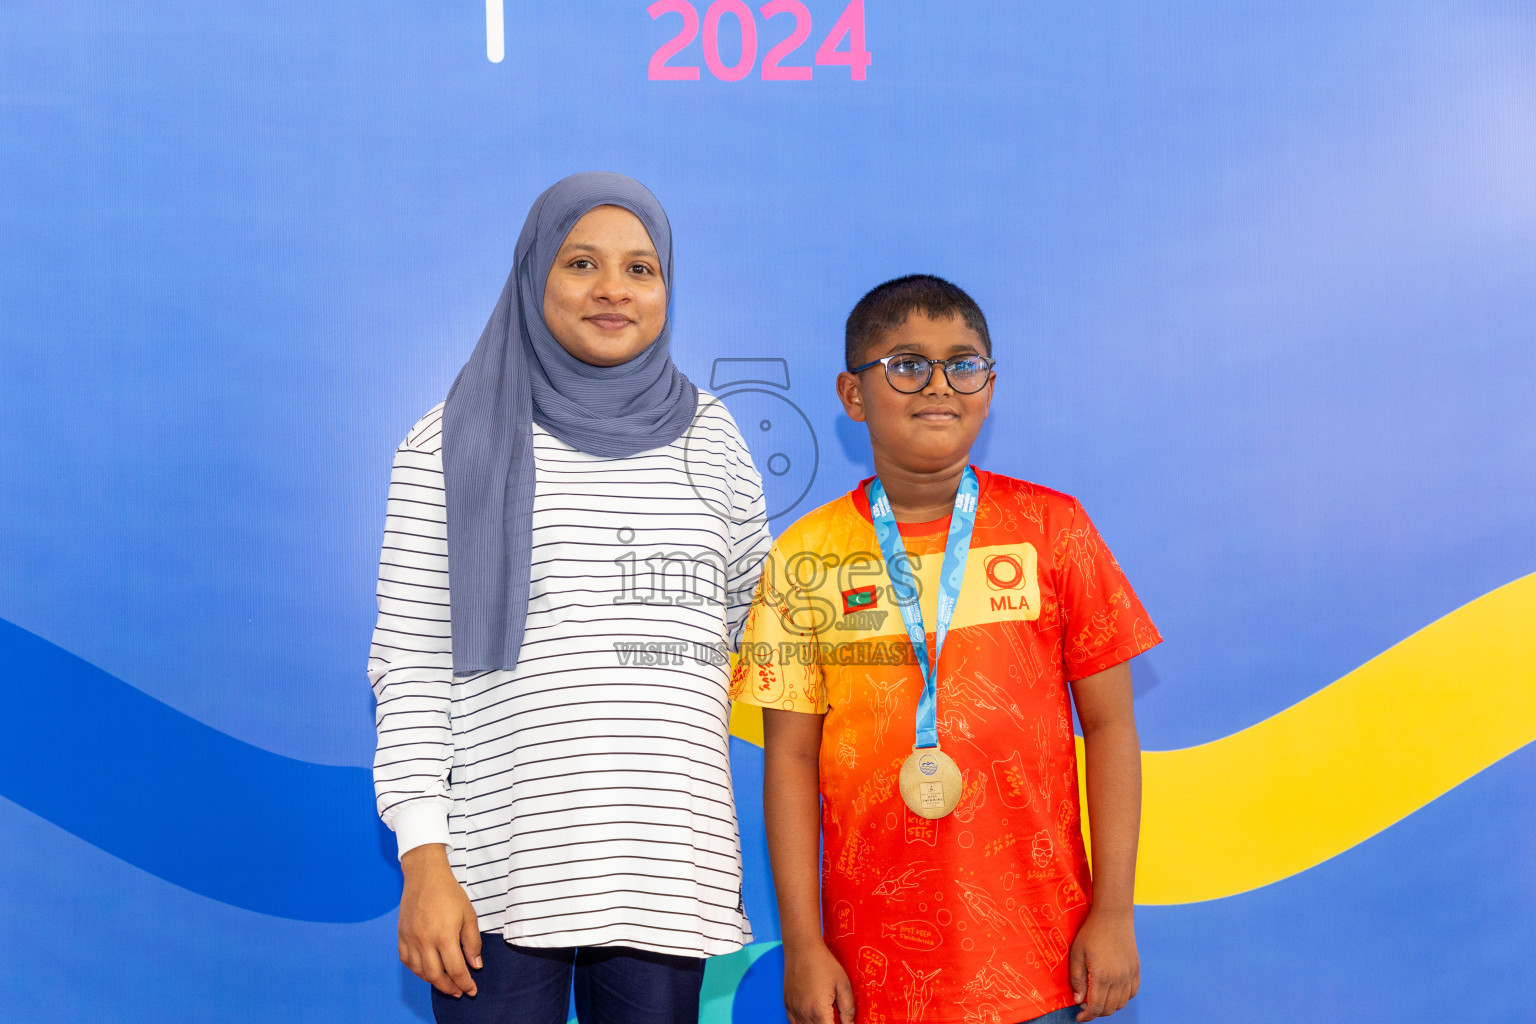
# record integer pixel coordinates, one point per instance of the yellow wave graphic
(1329, 772)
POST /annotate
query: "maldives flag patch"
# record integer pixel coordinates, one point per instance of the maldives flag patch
(859, 600)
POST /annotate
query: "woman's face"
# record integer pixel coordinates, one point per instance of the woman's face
(604, 299)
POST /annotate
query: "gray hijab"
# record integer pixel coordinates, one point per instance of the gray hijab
(519, 375)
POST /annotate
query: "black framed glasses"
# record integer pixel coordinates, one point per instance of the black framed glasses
(909, 372)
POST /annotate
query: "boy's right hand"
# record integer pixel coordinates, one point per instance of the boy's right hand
(439, 929)
(816, 988)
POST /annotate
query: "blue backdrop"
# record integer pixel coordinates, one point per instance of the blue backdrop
(1262, 281)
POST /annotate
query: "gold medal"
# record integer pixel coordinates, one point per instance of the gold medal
(930, 782)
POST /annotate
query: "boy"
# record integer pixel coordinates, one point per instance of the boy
(954, 881)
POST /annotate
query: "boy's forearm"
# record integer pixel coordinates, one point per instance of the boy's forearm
(1113, 762)
(791, 811)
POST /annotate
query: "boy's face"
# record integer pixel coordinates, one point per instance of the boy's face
(929, 431)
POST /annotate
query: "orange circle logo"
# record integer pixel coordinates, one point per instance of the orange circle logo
(1005, 572)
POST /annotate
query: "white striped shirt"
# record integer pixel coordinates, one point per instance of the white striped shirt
(586, 796)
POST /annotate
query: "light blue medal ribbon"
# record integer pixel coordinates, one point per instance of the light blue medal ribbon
(951, 573)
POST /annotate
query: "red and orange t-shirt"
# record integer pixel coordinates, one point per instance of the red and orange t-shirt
(968, 917)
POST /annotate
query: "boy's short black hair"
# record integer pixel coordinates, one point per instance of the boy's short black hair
(886, 307)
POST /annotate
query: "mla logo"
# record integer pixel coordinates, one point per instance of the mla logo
(1014, 572)
(1005, 572)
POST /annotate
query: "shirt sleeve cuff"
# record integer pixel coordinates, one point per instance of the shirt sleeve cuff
(421, 822)
(1112, 657)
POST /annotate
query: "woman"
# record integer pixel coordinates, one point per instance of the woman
(553, 726)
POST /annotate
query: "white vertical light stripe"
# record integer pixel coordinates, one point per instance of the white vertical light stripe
(495, 33)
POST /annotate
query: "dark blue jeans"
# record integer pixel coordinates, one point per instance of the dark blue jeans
(613, 985)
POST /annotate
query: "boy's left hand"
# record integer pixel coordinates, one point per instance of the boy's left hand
(1105, 970)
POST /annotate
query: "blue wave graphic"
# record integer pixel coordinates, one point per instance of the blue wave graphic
(183, 801)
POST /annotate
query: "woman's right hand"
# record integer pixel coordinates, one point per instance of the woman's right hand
(816, 988)
(439, 930)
